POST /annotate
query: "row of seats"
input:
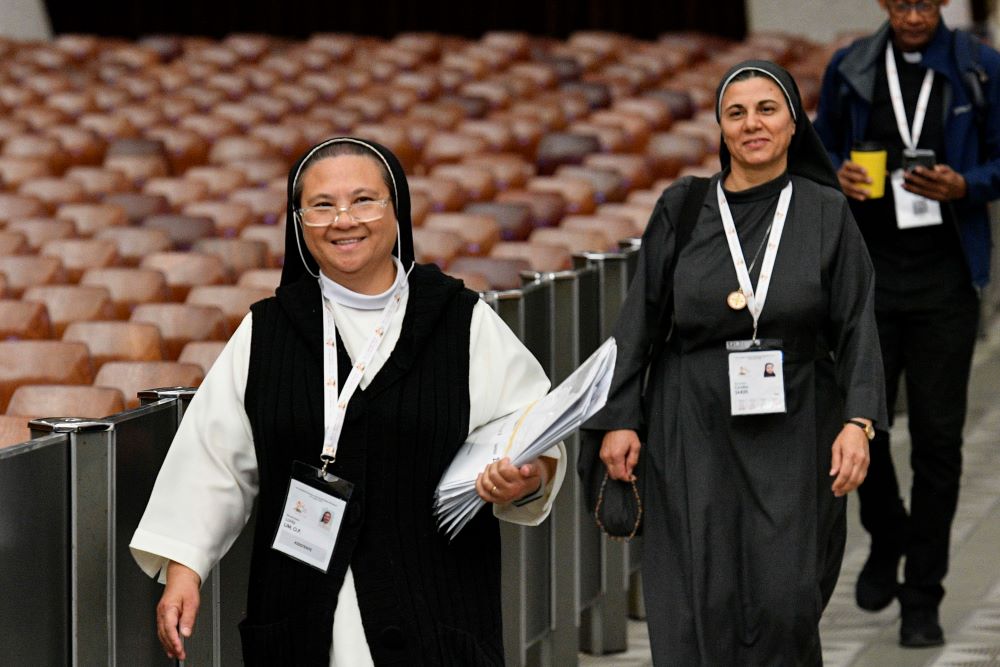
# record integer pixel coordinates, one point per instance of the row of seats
(142, 184)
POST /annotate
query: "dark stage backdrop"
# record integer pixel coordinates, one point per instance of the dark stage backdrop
(299, 18)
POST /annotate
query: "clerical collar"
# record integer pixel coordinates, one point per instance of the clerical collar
(912, 57)
(337, 293)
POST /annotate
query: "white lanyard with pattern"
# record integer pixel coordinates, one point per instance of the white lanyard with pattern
(910, 137)
(755, 300)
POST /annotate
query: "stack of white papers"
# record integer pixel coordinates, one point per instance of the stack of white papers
(523, 436)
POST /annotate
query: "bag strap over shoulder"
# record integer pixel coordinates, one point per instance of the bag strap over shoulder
(685, 223)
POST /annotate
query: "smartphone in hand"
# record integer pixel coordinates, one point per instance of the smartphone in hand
(918, 157)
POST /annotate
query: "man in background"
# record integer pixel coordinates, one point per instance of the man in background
(928, 96)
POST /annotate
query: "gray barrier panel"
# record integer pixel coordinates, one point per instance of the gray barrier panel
(526, 563)
(35, 533)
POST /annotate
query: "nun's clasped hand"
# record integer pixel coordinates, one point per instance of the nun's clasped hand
(502, 482)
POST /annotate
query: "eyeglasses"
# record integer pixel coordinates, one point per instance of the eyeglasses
(923, 7)
(325, 215)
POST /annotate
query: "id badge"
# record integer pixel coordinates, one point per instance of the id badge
(913, 210)
(310, 521)
(756, 377)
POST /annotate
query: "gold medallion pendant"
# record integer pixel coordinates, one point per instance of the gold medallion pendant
(737, 300)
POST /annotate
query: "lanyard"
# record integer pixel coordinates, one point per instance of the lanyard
(896, 95)
(334, 404)
(755, 300)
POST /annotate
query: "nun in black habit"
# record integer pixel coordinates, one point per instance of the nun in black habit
(744, 524)
(389, 363)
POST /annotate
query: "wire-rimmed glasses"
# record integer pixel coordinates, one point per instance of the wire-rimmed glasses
(325, 215)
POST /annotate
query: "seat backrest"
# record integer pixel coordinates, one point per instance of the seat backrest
(184, 270)
(502, 274)
(23, 319)
(71, 303)
(41, 362)
(540, 256)
(88, 219)
(238, 255)
(128, 286)
(265, 278)
(479, 232)
(117, 341)
(13, 430)
(23, 271)
(202, 352)
(78, 255)
(61, 400)
(180, 323)
(233, 300)
(131, 377)
(135, 243)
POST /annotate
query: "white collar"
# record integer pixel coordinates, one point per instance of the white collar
(912, 57)
(337, 293)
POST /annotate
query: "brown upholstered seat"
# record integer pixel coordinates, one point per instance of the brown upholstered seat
(41, 362)
(24, 320)
(183, 230)
(514, 218)
(13, 242)
(82, 146)
(477, 182)
(264, 278)
(267, 205)
(135, 243)
(16, 170)
(128, 287)
(180, 323)
(476, 282)
(78, 255)
(14, 206)
(263, 171)
(99, 181)
(579, 194)
(131, 377)
(116, 340)
(211, 128)
(547, 208)
(669, 152)
(540, 256)
(608, 184)
(184, 270)
(273, 238)
(502, 274)
(445, 194)
(237, 255)
(137, 206)
(220, 180)
(108, 126)
(71, 303)
(184, 148)
(39, 231)
(558, 148)
(612, 228)
(178, 191)
(573, 240)
(201, 352)
(443, 147)
(229, 218)
(436, 246)
(23, 271)
(635, 127)
(634, 168)
(637, 214)
(37, 146)
(479, 232)
(34, 401)
(13, 430)
(233, 300)
(509, 169)
(656, 112)
(88, 219)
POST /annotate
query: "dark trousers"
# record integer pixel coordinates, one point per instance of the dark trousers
(932, 340)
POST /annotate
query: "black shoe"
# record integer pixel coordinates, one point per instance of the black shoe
(920, 628)
(877, 587)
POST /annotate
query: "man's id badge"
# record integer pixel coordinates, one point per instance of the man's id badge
(314, 509)
(913, 210)
(756, 378)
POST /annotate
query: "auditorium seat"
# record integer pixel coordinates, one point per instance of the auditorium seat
(138, 206)
(201, 352)
(288, 142)
(14, 206)
(540, 256)
(138, 168)
(265, 278)
(71, 303)
(186, 269)
(131, 377)
(501, 274)
(13, 430)
(476, 282)
(38, 231)
(229, 218)
(638, 214)
(184, 148)
(547, 208)
(177, 190)
(133, 244)
(636, 128)
(232, 149)
(669, 152)
(88, 219)
(180, 323)
(657, 112)
(612, 228)
(558, 148)
(141, 114)
(634, 168)
(579, 194)
(23, 271)
(446, 194)
(16, 170)
(209, 127)
(78, 255)
(117, 340)
(37, 146)
(514, 218)
(221, 180)
(237, 255)
(436, 246)
(261, 172)
(608, 184)
(268, 205)
(233, 300)
(509, 169)
(21, 319)
(679, 102)
(13, 242)
(34, 401)
(41, 362)
(99, 181)
(108, 126)
(128, 287)
(444, 147)
(476, 181)
(273, 238)
(183, 230)
(709, 132)
(573, 240)
(478, 232)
